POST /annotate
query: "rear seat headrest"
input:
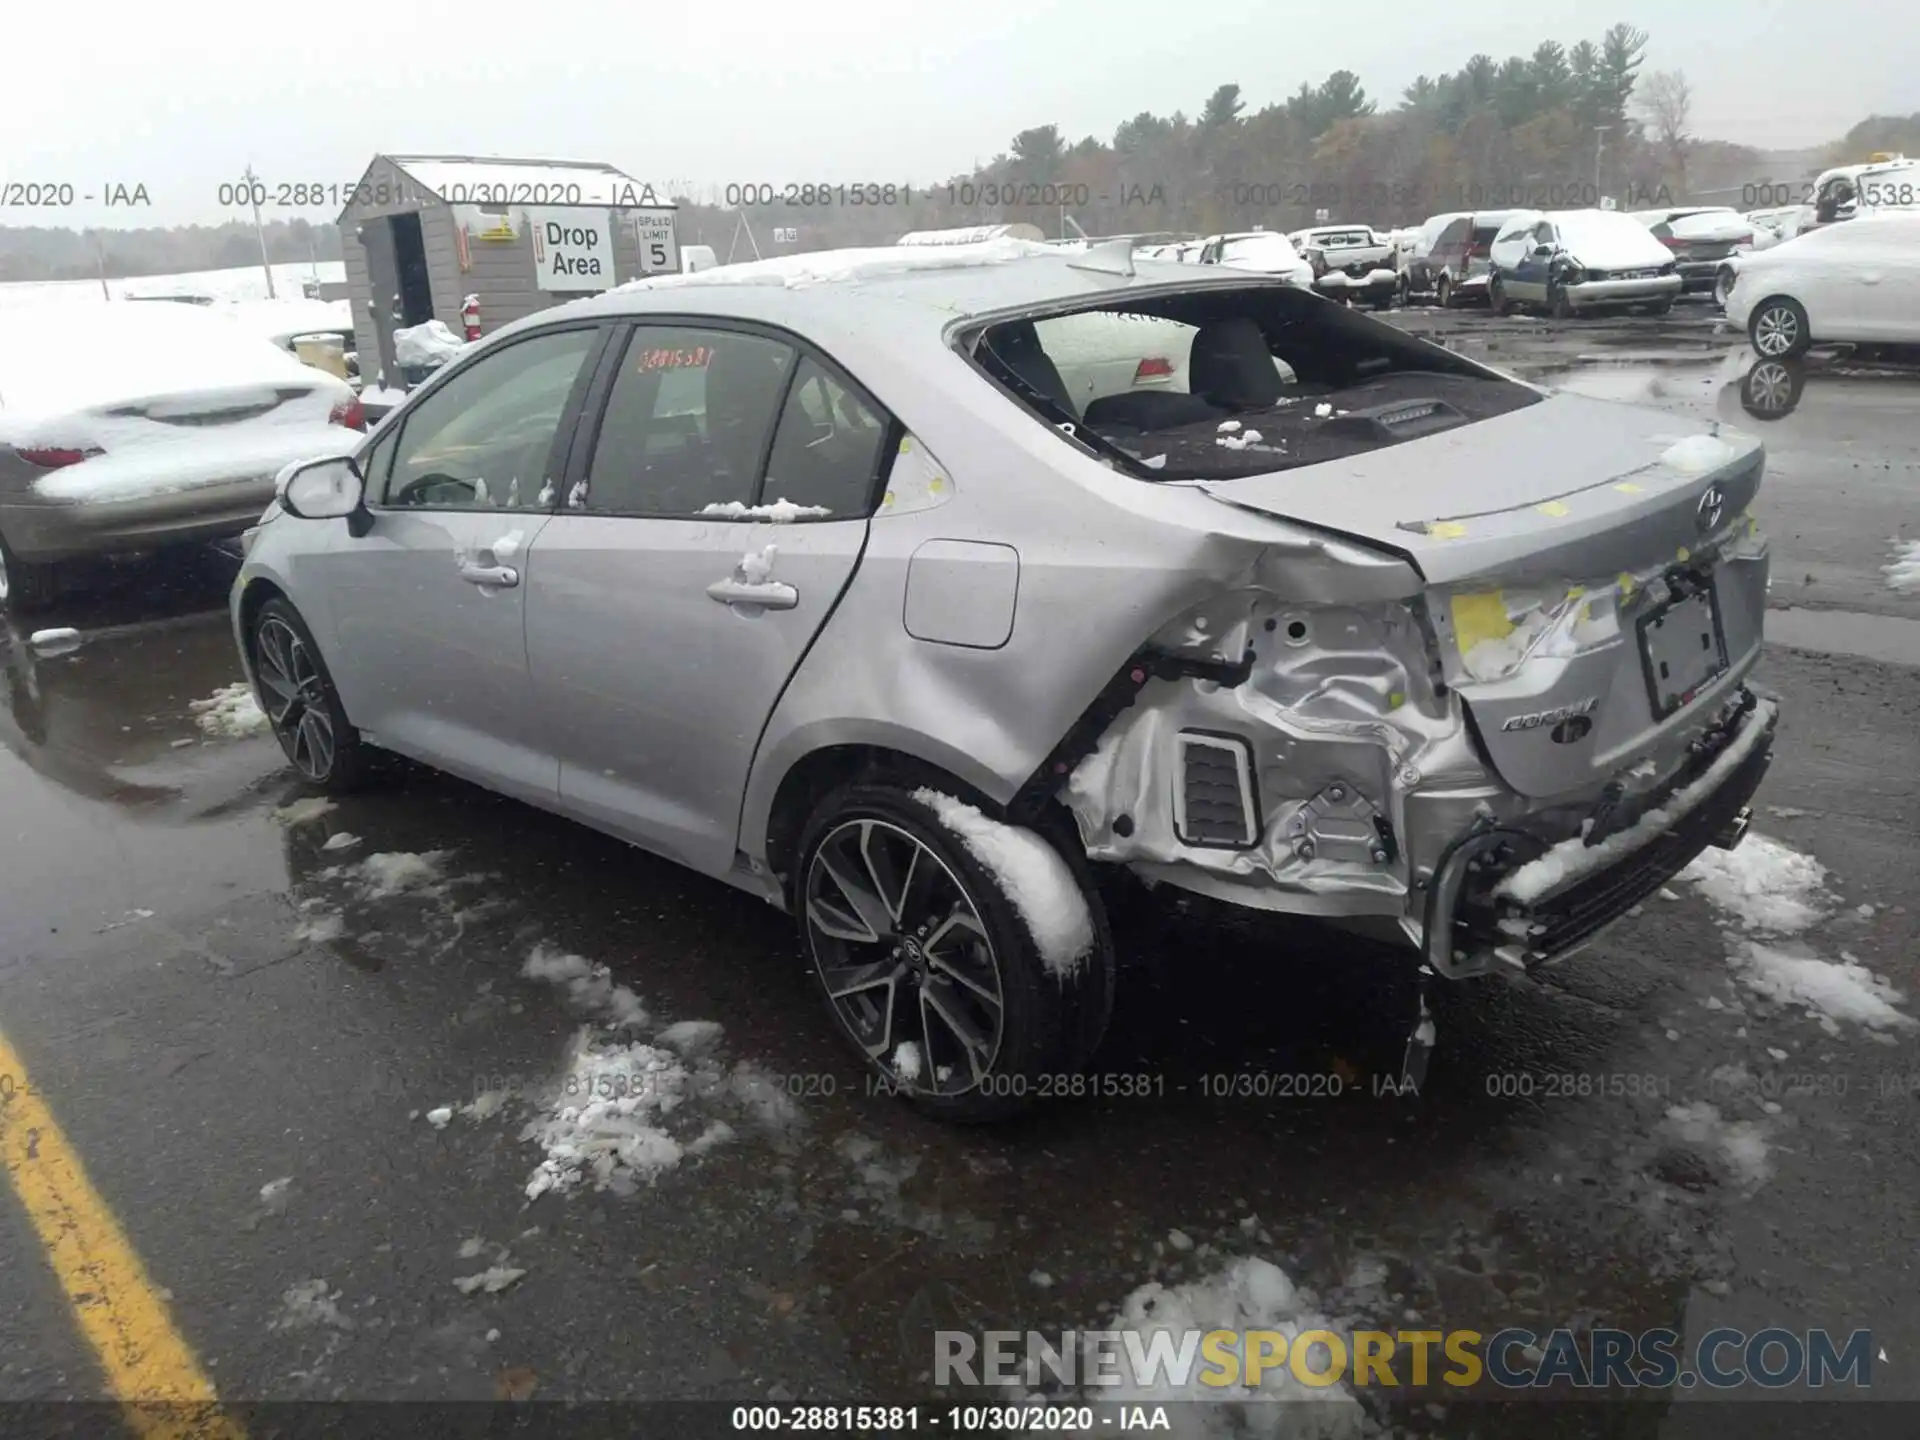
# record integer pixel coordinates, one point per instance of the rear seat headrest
(1231, 365)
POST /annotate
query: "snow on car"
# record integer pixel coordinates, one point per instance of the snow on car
(123, 427)
(1701, 239)
(1338, 622)
(1857, 282)
(1265, 251)
(1574, 262)
(1350, 262)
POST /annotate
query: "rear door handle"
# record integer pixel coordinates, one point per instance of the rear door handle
(500, 575)
(767, 594)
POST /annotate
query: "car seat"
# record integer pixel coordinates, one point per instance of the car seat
(1232, 367)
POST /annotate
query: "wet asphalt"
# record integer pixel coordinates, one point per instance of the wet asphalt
(195, 1045)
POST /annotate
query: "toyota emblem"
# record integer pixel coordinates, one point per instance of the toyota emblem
(1713, 504)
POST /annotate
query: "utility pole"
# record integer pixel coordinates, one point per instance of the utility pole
(253, 194)
(100, 258)
(1599, 134)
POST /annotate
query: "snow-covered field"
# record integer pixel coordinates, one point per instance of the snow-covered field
(248, 282)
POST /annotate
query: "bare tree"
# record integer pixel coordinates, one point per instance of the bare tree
(1666, 104)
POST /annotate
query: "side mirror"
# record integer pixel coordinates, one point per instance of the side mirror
(324, 489)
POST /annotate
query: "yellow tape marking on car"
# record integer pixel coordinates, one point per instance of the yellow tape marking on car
(1480, 617)
(1553, 507)
(1683, 554)
(1446, 529)
(1626, 585)
(146, 1362)
(1629, 487)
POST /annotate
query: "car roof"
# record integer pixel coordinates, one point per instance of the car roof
(886, 304)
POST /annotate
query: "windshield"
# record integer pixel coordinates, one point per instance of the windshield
(1222, 383)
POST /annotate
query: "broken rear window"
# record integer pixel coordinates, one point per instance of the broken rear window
(1219, 383)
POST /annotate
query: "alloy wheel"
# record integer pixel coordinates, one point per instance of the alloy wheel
(900, 948)
(296, 697)
(1770, 388)
(1776, 331)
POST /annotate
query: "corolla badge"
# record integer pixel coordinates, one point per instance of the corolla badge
(1713, 504)
(1537, 718)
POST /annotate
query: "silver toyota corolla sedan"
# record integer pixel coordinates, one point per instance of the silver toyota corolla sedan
(814, 576)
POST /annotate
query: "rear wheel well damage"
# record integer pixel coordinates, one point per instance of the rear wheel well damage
(819, 774)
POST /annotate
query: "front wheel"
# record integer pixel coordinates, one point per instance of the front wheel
(1497, 300)
(1443, 293)
(300, 701)
(1560, 303)
(955, 995)
(1778, 329)
(1661, 307)
(1722, 288)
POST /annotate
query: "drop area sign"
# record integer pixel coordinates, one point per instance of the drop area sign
(572, 248)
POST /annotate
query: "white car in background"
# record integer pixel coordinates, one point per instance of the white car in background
(1857, 283)
(127, 427)
(1266, 251)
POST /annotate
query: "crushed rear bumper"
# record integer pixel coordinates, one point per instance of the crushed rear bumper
(1503, 898)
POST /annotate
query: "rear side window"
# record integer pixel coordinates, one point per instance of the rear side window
(1456, 232)
(827, 450)
(687, 422)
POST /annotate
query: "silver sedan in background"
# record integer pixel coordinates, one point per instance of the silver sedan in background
(815, 576)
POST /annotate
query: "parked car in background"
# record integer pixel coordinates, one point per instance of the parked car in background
(969, 645)
(1574, 262)
(1888, 182)
(126, 427)
(1782, 222)
(1266, 251)
(285, 323)
(1857, 283)
(1350, 262)
(1450, 260)
(1700, 239)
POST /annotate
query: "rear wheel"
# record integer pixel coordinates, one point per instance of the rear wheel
(928, 967)
(301, 703)
(1443, 293)
(1722, 287)
(25, 587)
(1778, 328)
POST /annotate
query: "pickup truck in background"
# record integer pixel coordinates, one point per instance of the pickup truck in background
(1350, 262)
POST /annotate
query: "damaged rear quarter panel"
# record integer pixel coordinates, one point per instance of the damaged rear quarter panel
(1105, 561)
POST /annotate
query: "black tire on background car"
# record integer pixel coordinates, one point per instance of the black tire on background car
(298, 695)
(1661, 307)
(1559, 302)
(1777, 329)
(1497, 300)
(1443, 292)
(912, 938)
(25, 587)
(1723, 286)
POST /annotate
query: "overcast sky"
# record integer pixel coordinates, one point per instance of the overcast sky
(182, 96)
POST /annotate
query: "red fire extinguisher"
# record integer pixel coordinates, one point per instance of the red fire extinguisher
(470, 316)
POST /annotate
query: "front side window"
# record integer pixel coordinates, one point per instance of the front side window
(687, 423)
(486, 436)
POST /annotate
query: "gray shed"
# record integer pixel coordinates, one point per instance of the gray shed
(422, 233)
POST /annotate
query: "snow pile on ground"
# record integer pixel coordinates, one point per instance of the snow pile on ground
(395, 872)
(57, 641)
(490, 1281)
(430, 344)
(1739, 1145)
(1034, 875)
(609, 1120)
(1762, 884)
(1904, 572)
(309, 1303)
(1831, 991)
(230, 712)
(590, 987)
(779, 511)
(306, 808)
(1249, 1294)
(321, 929)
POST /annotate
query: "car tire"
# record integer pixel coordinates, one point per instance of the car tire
(1443, 293)
(303, 708)
(1403, 291)
(981, 972)
(26, 587)
(1660, 307)
(1497, 300)
(1722, 287)
(1559, 302)
(1777, 329)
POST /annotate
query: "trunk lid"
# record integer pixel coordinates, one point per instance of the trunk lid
(1592, 578)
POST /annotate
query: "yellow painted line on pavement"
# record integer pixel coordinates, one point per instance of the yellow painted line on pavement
(147, 1363)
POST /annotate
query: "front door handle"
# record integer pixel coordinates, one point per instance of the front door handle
(767, 594)
(500, 575)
